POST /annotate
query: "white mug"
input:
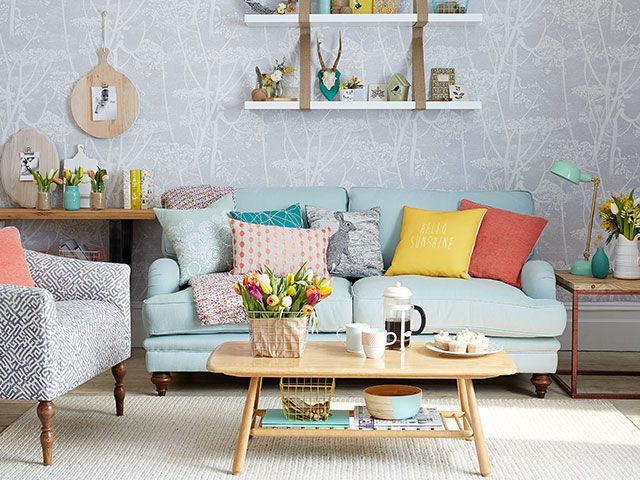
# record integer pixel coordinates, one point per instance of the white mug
(354, 336)
(374, 341)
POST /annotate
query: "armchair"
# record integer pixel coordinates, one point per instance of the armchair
(72, 326)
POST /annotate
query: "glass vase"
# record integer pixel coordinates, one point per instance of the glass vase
(43, 201)
(98, 201)
(71, 197)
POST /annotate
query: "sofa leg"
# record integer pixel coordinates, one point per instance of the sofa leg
(541, 381)
(161, 380)
(46, 410)
(119, 371)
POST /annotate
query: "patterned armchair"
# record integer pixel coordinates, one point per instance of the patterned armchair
(72, 326)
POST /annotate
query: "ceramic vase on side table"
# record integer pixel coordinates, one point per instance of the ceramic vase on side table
(600, 264)
(627, 261)
(71, 197)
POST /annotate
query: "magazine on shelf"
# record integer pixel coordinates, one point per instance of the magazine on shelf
(426, 419)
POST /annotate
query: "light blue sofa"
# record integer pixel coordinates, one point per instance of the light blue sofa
(526, 322)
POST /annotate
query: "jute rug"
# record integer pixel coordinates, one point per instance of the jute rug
(194, 438)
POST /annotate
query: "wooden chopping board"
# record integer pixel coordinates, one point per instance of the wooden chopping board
(25, 193)
(128, 102)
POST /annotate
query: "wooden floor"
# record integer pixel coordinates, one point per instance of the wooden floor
(517, 386)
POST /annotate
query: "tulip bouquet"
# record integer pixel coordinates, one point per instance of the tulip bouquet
(621, 216)
(97, 179)
(73, 179)
(44, 183)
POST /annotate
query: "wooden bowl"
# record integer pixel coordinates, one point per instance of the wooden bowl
(393, 402)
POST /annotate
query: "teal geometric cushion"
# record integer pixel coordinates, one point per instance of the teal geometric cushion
(290, 217)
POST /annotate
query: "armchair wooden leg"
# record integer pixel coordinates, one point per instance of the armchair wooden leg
(541, 381)
(46, 410)
(161, 380)
(119, 371)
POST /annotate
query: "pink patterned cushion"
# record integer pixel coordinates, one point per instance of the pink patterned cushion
(282, 249)
(194, 196)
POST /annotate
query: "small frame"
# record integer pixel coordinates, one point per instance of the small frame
(441, 78)
(28, 160)
(104, 103)
(458, 93)
(385, 6)
(377, 92)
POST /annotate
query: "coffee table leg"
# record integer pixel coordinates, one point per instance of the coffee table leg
(464, 401)
(257, 401)
(478, 434)
(245, 427)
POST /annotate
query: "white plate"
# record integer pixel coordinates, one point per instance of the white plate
(493, 348)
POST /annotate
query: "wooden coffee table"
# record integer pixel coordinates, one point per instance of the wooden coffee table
(330, 359)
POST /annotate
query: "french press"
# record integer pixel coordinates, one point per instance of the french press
(397, 315)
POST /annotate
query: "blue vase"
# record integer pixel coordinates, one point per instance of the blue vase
(71, 197)
(600, 264)
(324, 6)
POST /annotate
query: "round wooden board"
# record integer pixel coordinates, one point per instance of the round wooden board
(128, 102)
(25, 193)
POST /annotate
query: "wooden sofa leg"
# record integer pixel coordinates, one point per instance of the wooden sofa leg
(161, 380)
(119, 371)
(541, 381)
(46, 410)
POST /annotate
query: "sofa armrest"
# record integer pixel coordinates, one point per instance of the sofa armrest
(71, 279)
(538, 279)
(164, 277)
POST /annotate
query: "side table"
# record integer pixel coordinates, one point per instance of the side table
(577, 285)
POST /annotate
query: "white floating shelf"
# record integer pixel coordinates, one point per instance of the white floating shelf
(362, 105)
(397, 19)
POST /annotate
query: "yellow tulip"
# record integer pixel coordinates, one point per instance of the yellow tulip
(291, 290)
(290, 279)
(326, 290)
(266, 288)
(67, 174)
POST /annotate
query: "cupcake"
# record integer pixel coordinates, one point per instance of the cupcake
(442, 340)
(458, 346)
(465, 335)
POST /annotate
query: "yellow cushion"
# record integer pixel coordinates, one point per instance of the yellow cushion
(436, 244)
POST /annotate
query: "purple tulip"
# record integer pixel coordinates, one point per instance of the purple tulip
(313, 299)
(254, 291)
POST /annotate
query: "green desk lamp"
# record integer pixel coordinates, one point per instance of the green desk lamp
(570, 171)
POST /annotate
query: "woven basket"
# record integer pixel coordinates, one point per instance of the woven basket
(278, 337)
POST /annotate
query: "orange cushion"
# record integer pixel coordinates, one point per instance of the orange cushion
(14, 269)
(504, 243)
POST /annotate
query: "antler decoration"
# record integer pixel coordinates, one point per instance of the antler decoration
(322, 66)
(335, 64)
(329, 74)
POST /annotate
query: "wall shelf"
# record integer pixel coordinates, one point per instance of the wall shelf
(321, 105)
(399, 19)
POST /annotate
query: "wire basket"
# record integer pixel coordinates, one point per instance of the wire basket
(450, 6)
(93, 254)
(306, 399)
(280, 337)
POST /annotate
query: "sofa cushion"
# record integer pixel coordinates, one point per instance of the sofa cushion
(489, 306)
(290, 217)
(175, 313)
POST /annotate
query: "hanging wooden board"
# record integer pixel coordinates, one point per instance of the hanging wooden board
(94, 107)
(24, 193)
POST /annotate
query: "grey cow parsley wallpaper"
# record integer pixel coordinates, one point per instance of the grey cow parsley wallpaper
(558, 80)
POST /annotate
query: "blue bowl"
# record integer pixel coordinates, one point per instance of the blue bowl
(393, 402)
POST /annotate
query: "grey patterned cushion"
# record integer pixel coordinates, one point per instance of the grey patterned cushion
(354, 247)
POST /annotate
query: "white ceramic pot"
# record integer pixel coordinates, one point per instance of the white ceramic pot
(346, 95)
(627, 261)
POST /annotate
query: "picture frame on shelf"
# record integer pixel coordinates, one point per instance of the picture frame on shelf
(377, 92)
(458, 93)
(29, 160)
(441, 78)
(385, 6)
(361, 6)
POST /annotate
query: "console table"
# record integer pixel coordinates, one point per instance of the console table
(120, 224)
(578, 285)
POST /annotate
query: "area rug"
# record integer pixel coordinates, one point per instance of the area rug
(194, 438)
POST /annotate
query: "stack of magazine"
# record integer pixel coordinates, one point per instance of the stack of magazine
(426, 419)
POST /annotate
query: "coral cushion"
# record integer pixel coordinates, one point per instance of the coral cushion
(504, 243)
(282, 249)
(14, 269)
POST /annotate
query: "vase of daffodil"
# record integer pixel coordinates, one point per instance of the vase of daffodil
(621, 218)
(71, 195)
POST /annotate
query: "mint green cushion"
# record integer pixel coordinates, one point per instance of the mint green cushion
(290, 217)
(201, 238)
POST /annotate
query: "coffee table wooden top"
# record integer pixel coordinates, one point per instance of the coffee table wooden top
(589, 284)
(330, 359)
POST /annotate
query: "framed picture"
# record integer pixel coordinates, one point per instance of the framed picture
(458, 93)
(104, 103)
(28, 160)
(385, 6)
(377, 93)
(441, 78)
(361, 6)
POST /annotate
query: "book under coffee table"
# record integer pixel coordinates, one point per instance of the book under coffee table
(330, 359)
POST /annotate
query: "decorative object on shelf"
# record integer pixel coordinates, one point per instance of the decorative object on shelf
(307, 399)
(441, 78)
(621, 218)
(147, 189)
(393, 402)
(450, 6)
(288, 7)
(377, 93)
(324, 7)
(348, 88)
(340, 7)
(26, 148)
(329, 77)
(385, 6)
(600, 265)
(272, 83)
(361, 6)
(135, 178)
(81, 159)
(104, 103)
(458, 93)
(257, 7)
(397, 315)
(398, 88)
(279, 310)
(71, 195)
(98, 197)
(572, 173)
(43, 200)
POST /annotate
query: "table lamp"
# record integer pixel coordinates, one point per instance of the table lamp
(571, 172)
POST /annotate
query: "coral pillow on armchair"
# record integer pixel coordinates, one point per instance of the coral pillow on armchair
(14, 269)
(504, 243)
(282, 249)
